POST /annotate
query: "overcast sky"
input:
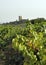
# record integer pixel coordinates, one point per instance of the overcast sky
(11, 9)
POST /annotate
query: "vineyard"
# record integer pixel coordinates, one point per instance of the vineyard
(23, 44)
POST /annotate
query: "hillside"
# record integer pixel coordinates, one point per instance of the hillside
(23, 42)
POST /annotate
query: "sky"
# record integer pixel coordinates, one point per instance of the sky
(28, 9)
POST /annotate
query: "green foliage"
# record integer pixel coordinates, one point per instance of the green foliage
(23, 44)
